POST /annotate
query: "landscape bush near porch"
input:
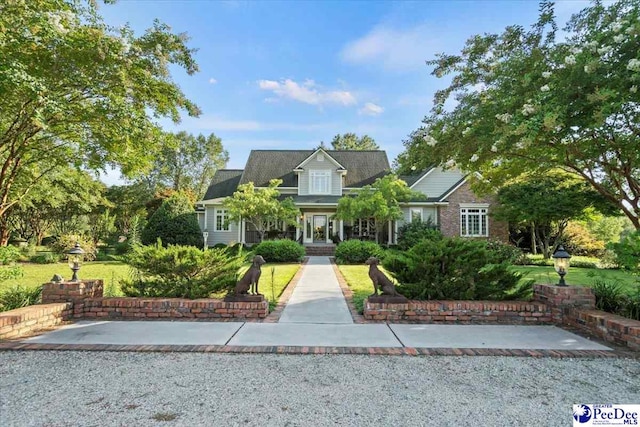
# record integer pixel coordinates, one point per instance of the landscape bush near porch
(280, 251)
(357, 251)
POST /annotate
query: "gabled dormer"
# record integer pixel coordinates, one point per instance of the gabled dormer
(320, 174)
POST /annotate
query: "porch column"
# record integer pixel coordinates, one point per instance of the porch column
(390, 237)
(341, 231)
(299, 227)
(240, 231)
(243, 229)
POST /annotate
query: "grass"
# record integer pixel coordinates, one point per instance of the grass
(283, 273)
(580, 276)
(357, 278)
(113, 271)
(37, 274)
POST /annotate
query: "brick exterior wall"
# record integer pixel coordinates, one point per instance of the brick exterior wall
(173, 308)
(453, 312)
(22, 321)
(449, 216)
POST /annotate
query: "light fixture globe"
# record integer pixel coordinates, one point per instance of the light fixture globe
(561, 263)
(75, 257)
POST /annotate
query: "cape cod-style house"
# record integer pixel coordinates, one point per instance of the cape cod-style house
(316, 179)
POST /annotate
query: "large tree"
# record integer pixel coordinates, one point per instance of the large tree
(64, 201)
(351, 141)
(380, 200)
(527, 100)
(545, 205)
(186, 163)
(77, 90)
(261, 206)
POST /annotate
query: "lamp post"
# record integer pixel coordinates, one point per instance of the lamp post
(75, 257)
(561, 263)
(205, 236)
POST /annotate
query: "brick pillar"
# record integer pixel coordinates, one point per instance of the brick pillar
(561, 298)
(74, 292)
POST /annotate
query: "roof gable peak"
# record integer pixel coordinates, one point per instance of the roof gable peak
(314, 154)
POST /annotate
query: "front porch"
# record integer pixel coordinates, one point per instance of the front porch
(320, 228)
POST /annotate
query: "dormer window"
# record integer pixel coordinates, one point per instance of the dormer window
(320, 182)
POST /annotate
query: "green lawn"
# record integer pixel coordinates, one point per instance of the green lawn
(283, 273)
(37, 274)
(113, 271)
(579, 276)
(357, 277)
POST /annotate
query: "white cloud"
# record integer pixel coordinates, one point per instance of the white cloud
(371, 109)
(394, 49)
(307, 92)
(213, 81)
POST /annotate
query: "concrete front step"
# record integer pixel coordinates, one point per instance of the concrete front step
(320, 250)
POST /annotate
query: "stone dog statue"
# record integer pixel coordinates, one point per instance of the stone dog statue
(380, 281)
(250, 278)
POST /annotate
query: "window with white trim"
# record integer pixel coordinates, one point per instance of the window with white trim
(474, 221)
(319, 182)
(416, 215)
(221, 220)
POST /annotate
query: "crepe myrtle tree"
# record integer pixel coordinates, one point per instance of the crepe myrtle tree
(529, 101)
(75, 89)
(380, 200)
(261, 206)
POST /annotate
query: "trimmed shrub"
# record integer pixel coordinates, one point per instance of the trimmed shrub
(411, 233)
(174, 223)
(45, 258)
(506, 252)
(68, 241)
(180, 271)
(18, 297)
(9, 255)
(357, 251)
(455, 269)
(280, 251)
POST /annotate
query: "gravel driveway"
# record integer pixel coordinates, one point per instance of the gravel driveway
(188, 389)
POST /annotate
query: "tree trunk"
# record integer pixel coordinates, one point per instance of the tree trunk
(534, 246)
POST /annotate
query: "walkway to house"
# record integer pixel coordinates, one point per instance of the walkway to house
(316, 317)
(317, 298)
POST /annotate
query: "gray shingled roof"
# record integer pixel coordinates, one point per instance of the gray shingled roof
(223, 184)
(363, 167)
(412, 179)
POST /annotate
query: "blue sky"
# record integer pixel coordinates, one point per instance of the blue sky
(287, 75)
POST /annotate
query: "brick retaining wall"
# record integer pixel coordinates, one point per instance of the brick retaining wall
(606, 326)
(173, 308)
(509, 312)
(22, 321)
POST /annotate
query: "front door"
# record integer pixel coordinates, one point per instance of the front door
(319, 229)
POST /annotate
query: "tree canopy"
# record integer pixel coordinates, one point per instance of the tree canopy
(261, 206)
(546, 204)
(75, 89)
(380, 200)
(186, 163)
(530, 101)
(351, 141)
